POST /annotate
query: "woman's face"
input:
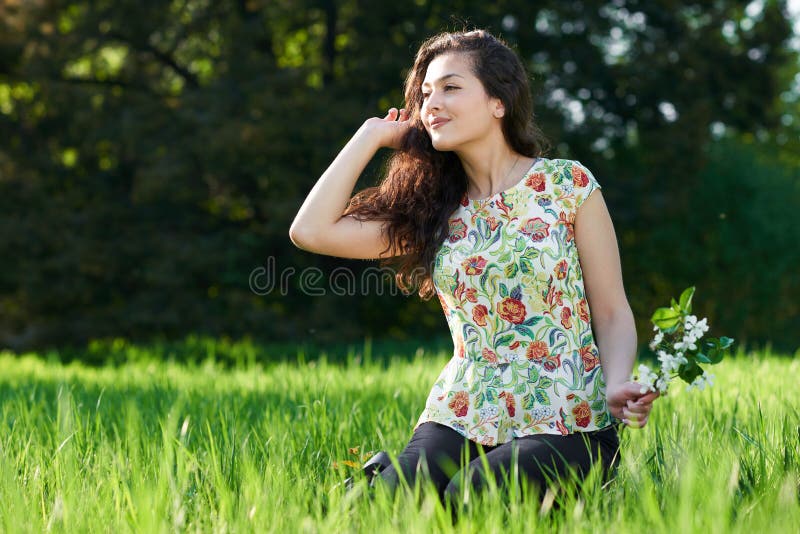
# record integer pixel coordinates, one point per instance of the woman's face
(456, 110)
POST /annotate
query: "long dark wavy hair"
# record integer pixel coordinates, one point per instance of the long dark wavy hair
(423, 186)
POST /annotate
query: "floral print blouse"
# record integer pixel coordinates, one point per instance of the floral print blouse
(511, 287)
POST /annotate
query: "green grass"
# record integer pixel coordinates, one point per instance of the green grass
(152, 446)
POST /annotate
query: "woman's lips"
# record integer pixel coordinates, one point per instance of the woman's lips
(439, 124)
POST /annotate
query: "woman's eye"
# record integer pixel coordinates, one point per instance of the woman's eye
(425, 95)
(450, 87)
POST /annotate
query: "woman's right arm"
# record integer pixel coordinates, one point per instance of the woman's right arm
(319, 226)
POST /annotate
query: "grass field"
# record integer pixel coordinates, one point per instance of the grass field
(151, 446)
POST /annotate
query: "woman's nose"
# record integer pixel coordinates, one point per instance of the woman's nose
(433, 101)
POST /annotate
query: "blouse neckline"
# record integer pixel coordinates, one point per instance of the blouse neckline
(479, 203)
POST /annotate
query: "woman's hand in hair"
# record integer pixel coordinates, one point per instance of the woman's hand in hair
(389, 130)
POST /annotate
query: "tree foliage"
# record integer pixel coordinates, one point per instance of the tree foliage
(155, 153)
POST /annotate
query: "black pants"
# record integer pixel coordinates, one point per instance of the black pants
(435, 451)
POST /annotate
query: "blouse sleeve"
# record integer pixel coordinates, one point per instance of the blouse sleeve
(583, 182)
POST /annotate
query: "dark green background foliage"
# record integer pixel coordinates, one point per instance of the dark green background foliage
(154, 154)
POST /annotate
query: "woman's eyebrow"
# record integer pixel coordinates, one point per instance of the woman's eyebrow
(443, 78)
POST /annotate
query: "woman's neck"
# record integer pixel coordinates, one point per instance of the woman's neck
(491, 168)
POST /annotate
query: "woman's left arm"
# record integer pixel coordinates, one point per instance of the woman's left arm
(612, 318)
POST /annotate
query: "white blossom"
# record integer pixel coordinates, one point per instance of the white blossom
(662, 383)
(670, 363)
(657, 339)
(699, 329)
(646, 378)
(701, 382)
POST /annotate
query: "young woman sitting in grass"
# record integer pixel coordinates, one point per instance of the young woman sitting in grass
(521, 252)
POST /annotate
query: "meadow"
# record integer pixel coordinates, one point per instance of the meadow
(147, 444)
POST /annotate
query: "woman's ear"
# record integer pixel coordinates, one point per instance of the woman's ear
(499, 109)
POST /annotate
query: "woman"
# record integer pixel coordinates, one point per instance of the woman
(521, 252)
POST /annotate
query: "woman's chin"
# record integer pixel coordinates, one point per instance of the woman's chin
(441, 145)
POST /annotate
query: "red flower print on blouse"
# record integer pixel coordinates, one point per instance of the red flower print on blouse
(583, 310)
(566, 317)
(536, 228)
(459, 404)
(589, 357)
(474, 265)
(472, 294)
(512, 310)
(514, 345)
(493, 223)
(479, 313)
(553, 297)
(511, 404)
(582, 413)
(568, 221)
(561, 269)
(465, 200)
(489, 355)
(552, 363)
(501, 204)
(458, 230)
(539, 352)
(458, 292)
(579, 177)
(536, 181)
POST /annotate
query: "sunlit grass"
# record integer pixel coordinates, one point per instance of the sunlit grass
(154, 446)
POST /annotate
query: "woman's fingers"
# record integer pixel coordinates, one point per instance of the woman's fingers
(627, 412)
(635, 415)
(396, 114)
(635, 407)
(648, 398)
(637, 422)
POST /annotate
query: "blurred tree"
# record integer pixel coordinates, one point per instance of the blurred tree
(155, 152)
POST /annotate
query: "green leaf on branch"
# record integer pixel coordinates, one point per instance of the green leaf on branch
(665, 318)
(686, 300)
(702, 358)
(714, 350)
(725, 342)
(689, 371)
(672, 329)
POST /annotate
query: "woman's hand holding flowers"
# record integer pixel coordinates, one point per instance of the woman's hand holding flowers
(626, 402)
